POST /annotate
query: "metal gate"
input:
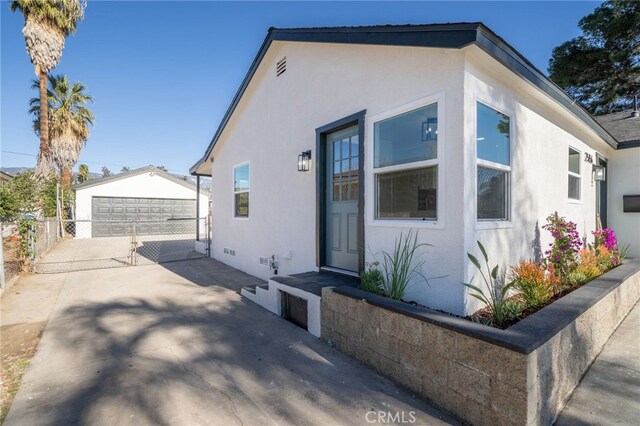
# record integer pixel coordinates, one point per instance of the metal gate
(72, 246)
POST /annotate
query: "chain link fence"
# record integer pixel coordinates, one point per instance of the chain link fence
(89, 244)
(40, 238)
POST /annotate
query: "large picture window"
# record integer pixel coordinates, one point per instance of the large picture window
(493, 163)
(406, 165)
(574, 174)
(241, 191)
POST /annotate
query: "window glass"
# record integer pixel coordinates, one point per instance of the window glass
(407, 194)
(242, 204)
(345, 169)
(492, 194)
(241, 191)
(574, 187)
(241, 178)
(493, 135)
(574, 161)
(407, 138)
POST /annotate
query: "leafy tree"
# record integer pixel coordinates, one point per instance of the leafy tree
(124, 169)
(69, 121)
(23, 195)
(46, 25)
(105, 171)
(163, 168)
(601, 68)
(83, 171)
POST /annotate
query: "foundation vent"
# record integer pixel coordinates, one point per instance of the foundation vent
(281, 66)
(229, 251)
(265, 261)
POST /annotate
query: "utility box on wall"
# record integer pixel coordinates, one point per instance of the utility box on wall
(631, 203)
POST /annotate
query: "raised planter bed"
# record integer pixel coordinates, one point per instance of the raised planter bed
(483, 375)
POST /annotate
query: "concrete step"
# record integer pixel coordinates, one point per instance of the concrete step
(250, 289)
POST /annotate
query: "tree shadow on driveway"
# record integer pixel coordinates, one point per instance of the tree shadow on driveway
(190, 355)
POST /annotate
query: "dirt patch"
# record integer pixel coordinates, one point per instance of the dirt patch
(18, 345)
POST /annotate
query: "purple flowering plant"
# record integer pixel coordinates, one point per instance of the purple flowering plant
(607, 238)
(563, 251)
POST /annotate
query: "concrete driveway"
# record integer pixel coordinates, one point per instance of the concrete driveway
(176, 344)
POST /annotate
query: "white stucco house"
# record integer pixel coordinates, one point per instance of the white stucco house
(444, 129)
(147, 194)
(623, 207)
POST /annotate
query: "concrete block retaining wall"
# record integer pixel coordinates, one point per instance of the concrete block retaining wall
(487, 376)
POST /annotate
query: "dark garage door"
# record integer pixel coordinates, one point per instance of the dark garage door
(152, 216)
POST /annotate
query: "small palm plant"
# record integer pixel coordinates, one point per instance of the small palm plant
(400, 267)
(502, 309)
(83, 172)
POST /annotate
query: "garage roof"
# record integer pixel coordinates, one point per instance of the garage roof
(453, 35)
(131, 173)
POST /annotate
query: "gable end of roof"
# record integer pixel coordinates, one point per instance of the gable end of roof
(453, 35)
(132, 173)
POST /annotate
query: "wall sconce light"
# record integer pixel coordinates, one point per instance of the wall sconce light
(303, 161)
(599, 173)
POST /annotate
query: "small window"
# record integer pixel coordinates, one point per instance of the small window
(574, 174)
(241, 191)
(493, 141)
(406, 165)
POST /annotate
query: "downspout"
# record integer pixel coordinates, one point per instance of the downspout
(198, 208)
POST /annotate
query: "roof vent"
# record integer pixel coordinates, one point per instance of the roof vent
(281, 66)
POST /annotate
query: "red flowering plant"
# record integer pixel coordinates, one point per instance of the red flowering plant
(563, 251)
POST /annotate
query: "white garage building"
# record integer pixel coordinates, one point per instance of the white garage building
(147, 195)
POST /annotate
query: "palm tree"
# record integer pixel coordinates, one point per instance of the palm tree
(69, 122)
(83, 172)
(46, 25)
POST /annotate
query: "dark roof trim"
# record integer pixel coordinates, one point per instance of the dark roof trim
(500, 50)
(456, 35)
(629, 144)
(131, 173)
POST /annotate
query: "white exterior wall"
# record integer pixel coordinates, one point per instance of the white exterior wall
(144, 185)
(276, 120)
(623, 178)
(541, 134)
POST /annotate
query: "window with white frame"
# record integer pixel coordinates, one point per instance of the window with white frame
(493, 130)
(574, 174)
(406, 165)
(241, 191)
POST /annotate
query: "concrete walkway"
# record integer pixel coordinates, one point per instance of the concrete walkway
(176, 344)
(609, 394)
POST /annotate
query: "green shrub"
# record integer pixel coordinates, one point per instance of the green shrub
(400, 266)
(22, 195)
(502, 310)
(372, 280)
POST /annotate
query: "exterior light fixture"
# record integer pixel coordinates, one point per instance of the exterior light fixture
(599, 173)
(303, 161)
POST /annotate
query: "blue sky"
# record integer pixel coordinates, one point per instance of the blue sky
(164, 73)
